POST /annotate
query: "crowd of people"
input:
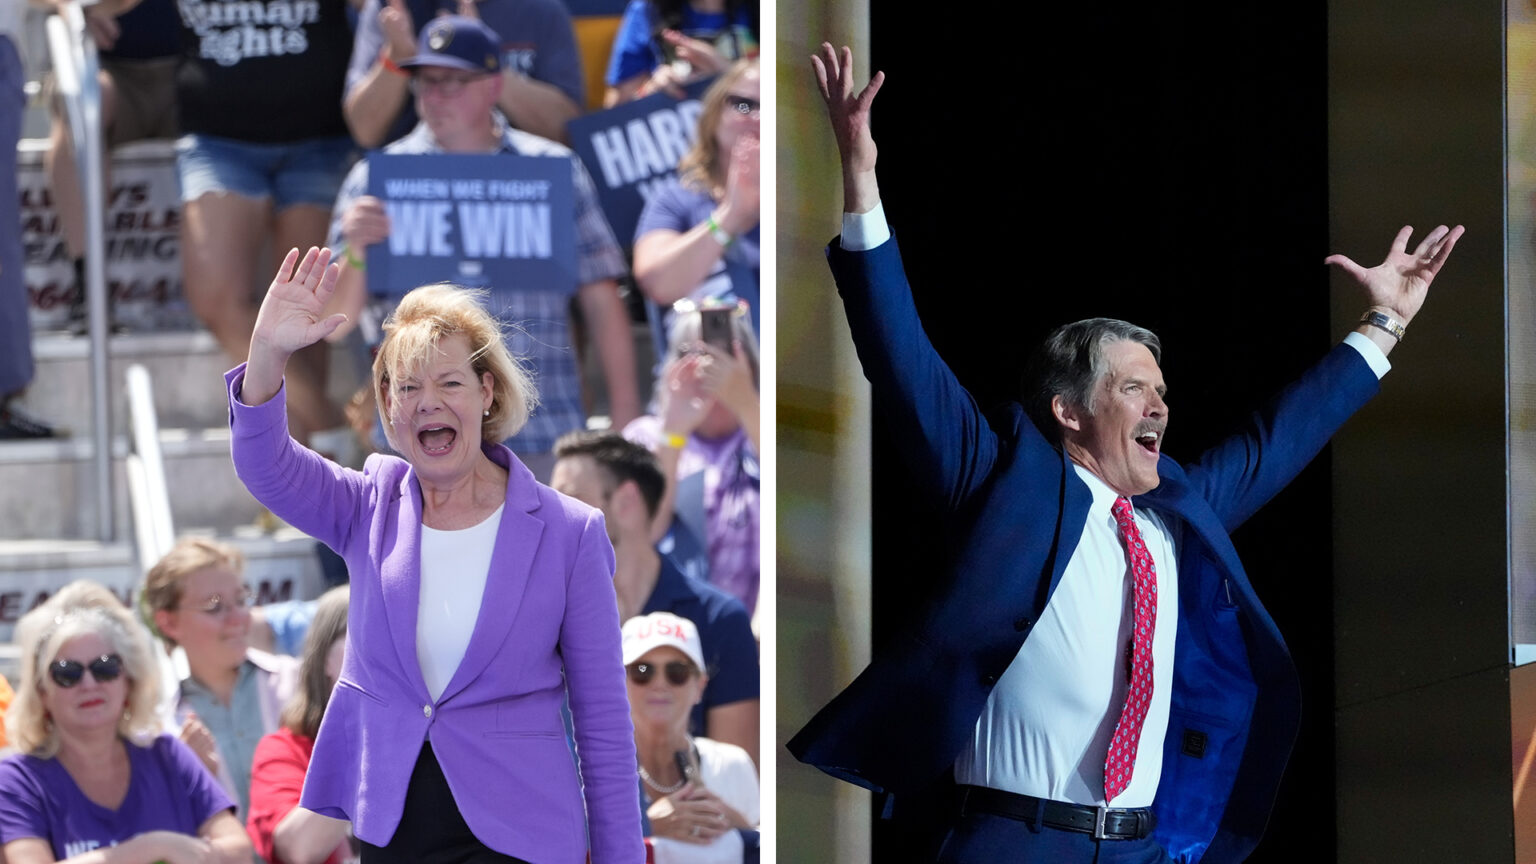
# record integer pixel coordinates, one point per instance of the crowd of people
(188, 731)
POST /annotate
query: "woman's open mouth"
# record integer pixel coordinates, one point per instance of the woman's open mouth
(437, 439)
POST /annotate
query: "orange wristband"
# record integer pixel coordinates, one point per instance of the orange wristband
(390, 64)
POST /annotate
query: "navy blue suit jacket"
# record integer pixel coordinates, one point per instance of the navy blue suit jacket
(1017, 510)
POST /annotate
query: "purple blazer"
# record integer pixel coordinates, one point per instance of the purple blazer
(548, 623)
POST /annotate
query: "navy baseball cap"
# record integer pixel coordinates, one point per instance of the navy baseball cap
(458, 43)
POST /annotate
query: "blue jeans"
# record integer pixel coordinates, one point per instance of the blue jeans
(289, 173)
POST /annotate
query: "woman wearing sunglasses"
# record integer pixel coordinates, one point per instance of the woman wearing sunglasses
(700, 795)
(195, 598)
(480, 597)
(93, 780)
(697, 237)
(705, 435)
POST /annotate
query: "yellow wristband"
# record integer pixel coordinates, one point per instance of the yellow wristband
(352, 260)
(673, 440)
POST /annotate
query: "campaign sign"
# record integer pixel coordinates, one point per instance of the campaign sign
(630, 149)
(475, 219)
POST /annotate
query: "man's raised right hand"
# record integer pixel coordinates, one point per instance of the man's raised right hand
(849, 114)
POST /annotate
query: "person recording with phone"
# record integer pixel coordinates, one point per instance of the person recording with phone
(705, 437)
(699, 795)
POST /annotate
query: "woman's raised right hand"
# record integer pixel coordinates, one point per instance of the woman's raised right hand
(290, 319)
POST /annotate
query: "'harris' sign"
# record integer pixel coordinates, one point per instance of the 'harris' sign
(476, 219)
(632, 147)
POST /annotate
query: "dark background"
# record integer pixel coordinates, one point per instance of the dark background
(1165, 164)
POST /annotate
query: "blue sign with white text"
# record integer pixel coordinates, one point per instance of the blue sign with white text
(630, 148)
(473, 219)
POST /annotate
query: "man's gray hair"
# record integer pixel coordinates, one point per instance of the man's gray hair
(1070, 363)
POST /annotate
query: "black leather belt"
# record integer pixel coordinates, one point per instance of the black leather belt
(1103, 823)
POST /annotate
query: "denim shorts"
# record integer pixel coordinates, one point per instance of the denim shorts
(293, 172)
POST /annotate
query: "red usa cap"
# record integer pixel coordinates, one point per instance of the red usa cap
(645, 632)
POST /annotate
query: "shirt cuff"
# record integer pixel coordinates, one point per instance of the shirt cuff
(1368, 350)
(864, 231)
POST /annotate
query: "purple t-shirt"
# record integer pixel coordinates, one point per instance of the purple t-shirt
(169, 790)
(730, 497)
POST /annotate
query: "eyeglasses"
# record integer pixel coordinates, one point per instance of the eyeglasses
(447, 86)
(67, 673)
(743, 105)
(216, 606)
(678, 672)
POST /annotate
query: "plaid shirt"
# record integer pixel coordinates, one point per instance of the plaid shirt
(536, 322)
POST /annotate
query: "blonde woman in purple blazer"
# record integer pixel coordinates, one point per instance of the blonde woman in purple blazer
(479, 598)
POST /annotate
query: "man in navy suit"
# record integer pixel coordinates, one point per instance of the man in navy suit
(1094, 672)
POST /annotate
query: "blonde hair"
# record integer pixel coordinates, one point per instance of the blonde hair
(414, 331)
(162, 585)
(702, 168)
(80, 609)
(304, 711)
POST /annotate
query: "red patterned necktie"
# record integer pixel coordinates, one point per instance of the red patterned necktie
(1121, 760)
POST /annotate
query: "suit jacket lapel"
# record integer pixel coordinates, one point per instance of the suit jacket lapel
(400, 579)
(1174, 495)
(517, 539)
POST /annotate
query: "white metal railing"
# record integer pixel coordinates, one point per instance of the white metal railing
(148, 494)
(75, 69)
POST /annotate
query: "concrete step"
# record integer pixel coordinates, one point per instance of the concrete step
(47, 487)
(187, 369)
(279, 566)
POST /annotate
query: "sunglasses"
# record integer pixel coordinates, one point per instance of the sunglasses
(67, 673)
(743, 104)
(678, 672)
(216, 606)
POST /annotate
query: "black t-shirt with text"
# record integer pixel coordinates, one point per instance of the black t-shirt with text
(264, 71)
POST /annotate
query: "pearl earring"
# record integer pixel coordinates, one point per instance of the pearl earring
(487, 412)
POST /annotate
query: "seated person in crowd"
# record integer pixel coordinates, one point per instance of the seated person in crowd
(697, 237)
(622, 479)
(281, 831)
(457, 96)
(195, 599)
(700, 795)
(664, 44)
(540, 66)
(94, 780)
(705, 437)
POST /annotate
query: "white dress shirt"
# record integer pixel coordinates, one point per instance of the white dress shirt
(1046, 728)
(454, 567)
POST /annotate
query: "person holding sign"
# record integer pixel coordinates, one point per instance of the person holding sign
(697, 237)
(456, 78)
(480, 597)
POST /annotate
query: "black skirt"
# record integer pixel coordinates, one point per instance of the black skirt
(431, 829)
